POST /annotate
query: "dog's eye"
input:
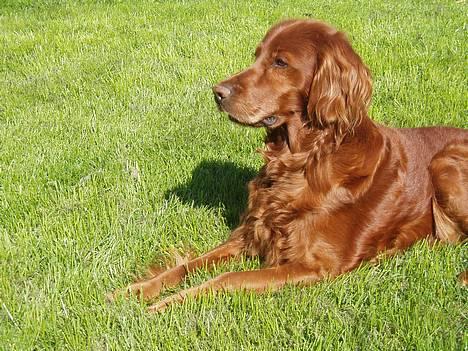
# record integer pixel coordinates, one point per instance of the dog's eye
(280, 63)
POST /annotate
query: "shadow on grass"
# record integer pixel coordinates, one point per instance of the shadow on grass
(217, 184)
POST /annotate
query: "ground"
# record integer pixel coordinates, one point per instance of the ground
(113, 155)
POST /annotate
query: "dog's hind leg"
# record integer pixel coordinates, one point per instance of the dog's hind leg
(449, 173)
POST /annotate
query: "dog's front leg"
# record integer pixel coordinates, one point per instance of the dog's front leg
(257, 280)
(152, 287)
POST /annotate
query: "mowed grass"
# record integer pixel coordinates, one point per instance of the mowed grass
(113, 155)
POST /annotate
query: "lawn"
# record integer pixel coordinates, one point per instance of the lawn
(113, 155)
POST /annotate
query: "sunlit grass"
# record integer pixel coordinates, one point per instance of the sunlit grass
(112, 154)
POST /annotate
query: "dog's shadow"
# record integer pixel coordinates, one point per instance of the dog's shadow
(216, 184)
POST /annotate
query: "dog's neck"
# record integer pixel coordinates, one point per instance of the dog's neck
(278, 141)
(295, 137)
(294, 132)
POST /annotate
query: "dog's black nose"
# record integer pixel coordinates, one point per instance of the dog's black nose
(221, 92)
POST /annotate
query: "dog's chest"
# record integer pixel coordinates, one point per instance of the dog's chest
(273, 212)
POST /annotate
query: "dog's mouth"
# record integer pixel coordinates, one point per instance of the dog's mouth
(268, 122)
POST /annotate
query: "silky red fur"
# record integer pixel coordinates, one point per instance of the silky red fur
(337, 189)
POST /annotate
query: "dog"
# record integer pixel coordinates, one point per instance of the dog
(337, 189)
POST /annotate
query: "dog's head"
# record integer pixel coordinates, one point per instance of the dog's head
(303, 70)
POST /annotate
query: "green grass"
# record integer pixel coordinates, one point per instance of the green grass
(112, 154)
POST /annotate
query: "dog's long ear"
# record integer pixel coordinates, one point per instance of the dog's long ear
(341, 87)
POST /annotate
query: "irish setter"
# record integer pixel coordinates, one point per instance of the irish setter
(337, 188)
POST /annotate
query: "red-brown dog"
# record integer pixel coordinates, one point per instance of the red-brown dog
(337, 188)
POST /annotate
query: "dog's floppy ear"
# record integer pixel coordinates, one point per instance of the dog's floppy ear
(341, 87)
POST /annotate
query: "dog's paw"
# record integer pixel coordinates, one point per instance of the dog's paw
(463, 278)
(139, 290)
(117, 294)
(162, 305)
